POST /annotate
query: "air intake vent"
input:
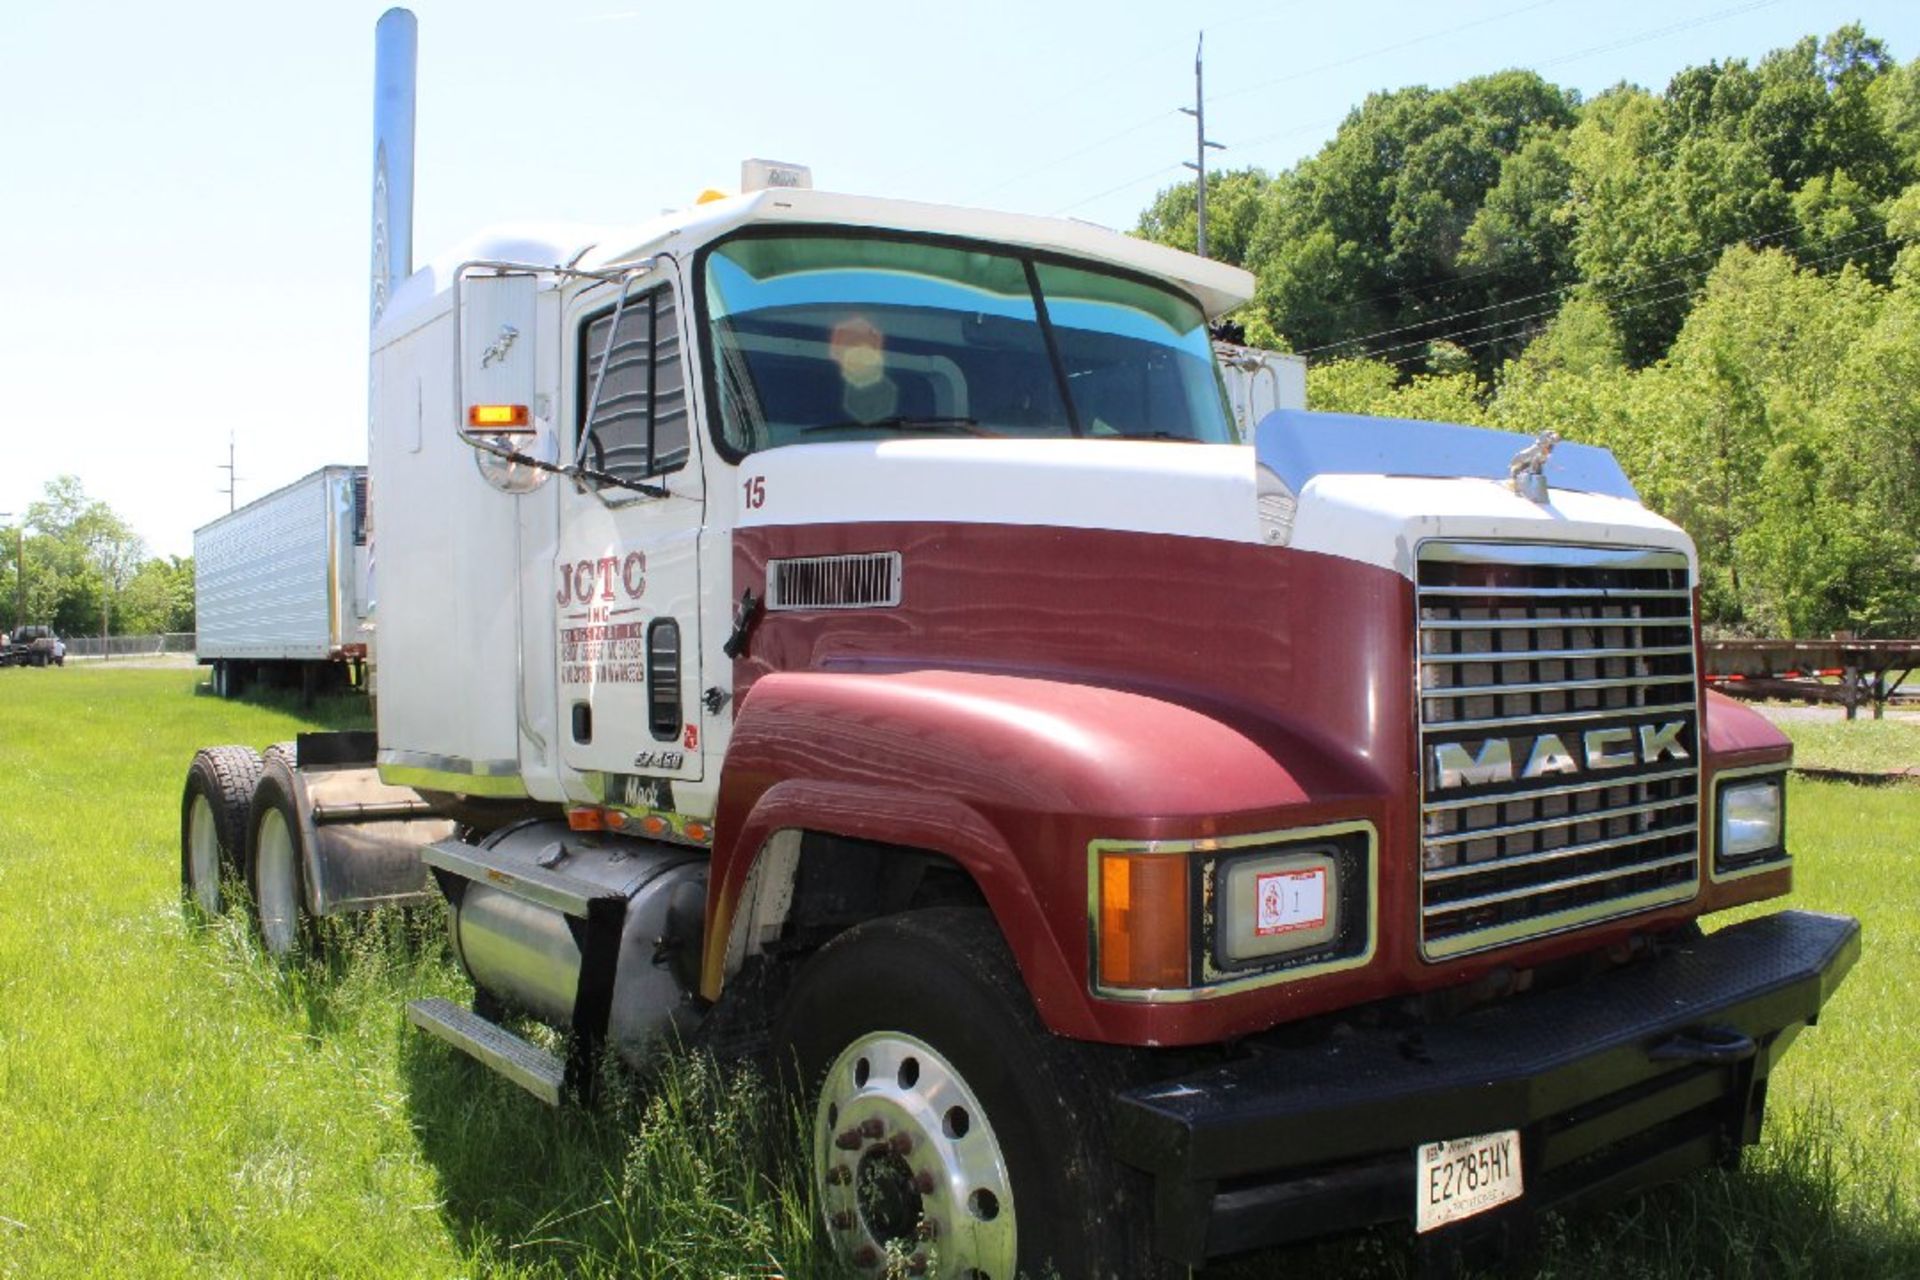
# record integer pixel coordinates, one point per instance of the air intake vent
(869, 581)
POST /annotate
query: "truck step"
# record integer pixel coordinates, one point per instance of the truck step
(564, 893)
(534, 1069)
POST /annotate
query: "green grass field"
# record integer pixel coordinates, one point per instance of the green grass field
(173, 1104)
(1866, 746)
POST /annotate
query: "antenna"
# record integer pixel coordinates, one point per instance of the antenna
(233, 478)
(1199, 163)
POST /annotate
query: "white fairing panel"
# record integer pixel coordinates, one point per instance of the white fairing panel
(1183, 490)
(1143, 486)
(444, 551)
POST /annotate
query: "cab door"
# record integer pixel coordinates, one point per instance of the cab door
(626, 580)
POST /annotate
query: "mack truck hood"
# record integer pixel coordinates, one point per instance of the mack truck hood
(1364, 489)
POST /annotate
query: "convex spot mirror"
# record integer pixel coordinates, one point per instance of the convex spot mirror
(501, 412)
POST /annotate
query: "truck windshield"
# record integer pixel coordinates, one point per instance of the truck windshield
(825, 337)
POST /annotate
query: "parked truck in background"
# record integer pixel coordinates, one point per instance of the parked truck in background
(35, 646)
(280, 586)
(858, 629)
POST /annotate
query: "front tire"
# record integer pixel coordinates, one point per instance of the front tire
(213, 823)
(947, 1123)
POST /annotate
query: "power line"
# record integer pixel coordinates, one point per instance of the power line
(1133, 129)
(1392, 48)
(1565, 289)
(1545, 315)
(1101, 195)
(1024, 174)
(1671, 29)
(1628, 310)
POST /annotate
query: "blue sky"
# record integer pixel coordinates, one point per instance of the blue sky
(186, 185)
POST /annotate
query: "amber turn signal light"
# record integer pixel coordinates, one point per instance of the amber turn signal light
(497, 417)
(1144, 932)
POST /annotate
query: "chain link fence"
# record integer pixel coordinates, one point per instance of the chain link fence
(152, 646)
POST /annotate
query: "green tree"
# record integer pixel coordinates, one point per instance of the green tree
(1360, 248)
(83, 555)
(1894, 97)
(1655, 210)
(159, 597)
(1233, 211)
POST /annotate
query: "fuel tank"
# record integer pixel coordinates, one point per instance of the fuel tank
(528, 953)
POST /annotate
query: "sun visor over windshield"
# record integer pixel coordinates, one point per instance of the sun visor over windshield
(1298, 445)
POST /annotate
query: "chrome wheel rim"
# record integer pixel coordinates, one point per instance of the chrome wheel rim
(203, 856)
(904, 1157)
(275, 885)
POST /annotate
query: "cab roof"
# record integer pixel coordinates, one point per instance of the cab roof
(1218, 287)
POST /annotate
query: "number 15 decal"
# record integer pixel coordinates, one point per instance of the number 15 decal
(756, 492)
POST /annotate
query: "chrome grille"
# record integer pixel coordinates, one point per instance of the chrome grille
(1559, 739)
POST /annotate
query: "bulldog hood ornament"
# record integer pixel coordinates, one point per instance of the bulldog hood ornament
(1527, 473)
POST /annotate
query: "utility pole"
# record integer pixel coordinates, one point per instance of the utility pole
(232, 479)
(1199, 163)
(19, 571)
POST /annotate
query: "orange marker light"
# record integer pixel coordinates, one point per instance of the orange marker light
(498, 417)
(1143, 920)
(585, 819)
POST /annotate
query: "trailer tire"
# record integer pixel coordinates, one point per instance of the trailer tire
(276, 852)
(943, 1111)
(213, 823)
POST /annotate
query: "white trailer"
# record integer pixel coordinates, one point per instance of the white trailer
(1259, 382)
(279, 585)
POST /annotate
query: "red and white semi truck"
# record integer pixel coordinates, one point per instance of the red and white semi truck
(859, 625)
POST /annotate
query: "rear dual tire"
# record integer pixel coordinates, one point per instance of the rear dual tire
(276, 861)
(214, 809)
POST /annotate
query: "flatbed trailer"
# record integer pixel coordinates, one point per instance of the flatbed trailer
(1868, 672)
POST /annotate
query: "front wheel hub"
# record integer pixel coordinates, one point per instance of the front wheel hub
(906, 1164)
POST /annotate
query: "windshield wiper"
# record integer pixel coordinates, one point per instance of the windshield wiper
(953, 423)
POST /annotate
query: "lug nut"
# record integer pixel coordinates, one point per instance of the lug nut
(842, 1221)
(923, 1182)
(838, 1175)
(872, 1127)
(927, 1229)
(917, 1265)
(865, 1256)
(848, 1141)
(901, 1143)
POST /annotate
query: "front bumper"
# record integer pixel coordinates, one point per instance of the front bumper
(1630, 1079)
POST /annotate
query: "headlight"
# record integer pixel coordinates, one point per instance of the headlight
(1749, 819)
(1276, 904)
(1174, 920)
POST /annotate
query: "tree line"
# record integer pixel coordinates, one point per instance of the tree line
(74, 564)
(1720, 282)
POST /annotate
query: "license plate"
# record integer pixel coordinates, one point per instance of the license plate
(1457, 1179)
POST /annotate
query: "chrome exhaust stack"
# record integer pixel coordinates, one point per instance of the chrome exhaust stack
(396, 45)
